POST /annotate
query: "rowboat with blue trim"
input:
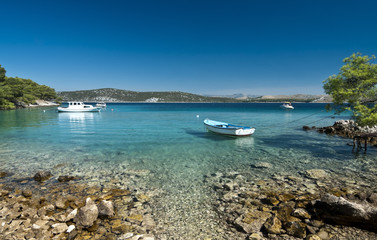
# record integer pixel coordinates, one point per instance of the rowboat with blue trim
(228, 129)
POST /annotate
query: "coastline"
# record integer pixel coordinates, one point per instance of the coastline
(43, 103)
(278, 198)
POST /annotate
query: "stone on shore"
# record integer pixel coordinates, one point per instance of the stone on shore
(59, 228)
(71, 215)
(296, 229)
(27, 193)
(301, 213)
(61, 203)
(106, 209)
(87, 215)
(252, 221)
(273, 225)
(340, 211)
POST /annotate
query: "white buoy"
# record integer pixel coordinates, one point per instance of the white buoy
(197, 116)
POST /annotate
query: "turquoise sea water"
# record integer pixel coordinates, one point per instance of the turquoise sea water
(168, 148)
(165, 132)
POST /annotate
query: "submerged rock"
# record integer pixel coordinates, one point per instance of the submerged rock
(42, 176)
(316, 173)
(3, 174)
(66, 178)
(262, 165)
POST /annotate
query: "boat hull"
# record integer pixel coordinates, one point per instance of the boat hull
(227, 129)
(287, 108)
(62, 109)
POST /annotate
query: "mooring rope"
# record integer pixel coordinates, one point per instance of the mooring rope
(321, 119)
(299, 119)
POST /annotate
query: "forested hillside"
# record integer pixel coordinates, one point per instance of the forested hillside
(117, 95)
(18, 92)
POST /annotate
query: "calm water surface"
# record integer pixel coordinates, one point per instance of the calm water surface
(169, 142)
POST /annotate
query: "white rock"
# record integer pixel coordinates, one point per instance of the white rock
(126, 236)
(59, 228)
(71, 215)
(70, 228)
(35, 226)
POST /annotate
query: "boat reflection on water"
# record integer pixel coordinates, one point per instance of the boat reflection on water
(244, 142)
(76, 121)
(76, 117)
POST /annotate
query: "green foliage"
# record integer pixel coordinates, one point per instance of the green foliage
(16, 91)
(354, 88)
(2, 73)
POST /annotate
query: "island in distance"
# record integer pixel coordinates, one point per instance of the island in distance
(118, 95)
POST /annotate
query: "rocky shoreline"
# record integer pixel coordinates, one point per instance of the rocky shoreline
(348, 129)
(315, 205)
(43, 103)
(43, 208)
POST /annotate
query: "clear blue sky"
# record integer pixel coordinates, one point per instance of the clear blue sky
(205, 47)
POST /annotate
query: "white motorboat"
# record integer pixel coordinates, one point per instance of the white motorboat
(287, 105)
(228, 129)
(78, 107)
(101, 104)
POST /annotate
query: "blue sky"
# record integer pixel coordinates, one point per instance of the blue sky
(206, 47)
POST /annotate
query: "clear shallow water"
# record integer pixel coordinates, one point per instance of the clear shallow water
(169, 143)
(158, 132)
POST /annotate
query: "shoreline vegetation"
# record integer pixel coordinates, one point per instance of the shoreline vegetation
(17, 92)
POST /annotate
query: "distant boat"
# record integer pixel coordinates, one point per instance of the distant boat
(287, 105)
(228, 129)
(78, 107)
(101, 104)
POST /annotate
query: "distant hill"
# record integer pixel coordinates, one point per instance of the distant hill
(292, 98)
(239, 96)
(118, 95)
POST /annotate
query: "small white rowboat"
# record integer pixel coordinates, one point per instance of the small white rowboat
(228, 129)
